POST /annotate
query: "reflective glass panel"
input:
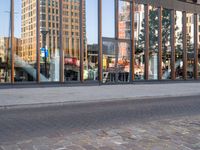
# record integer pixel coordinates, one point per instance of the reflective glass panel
(91, 48)
(153, 43)
(5, 42)
(71, 40)
(49, 33)
(198, 37)
(109, 61)
(190, 45)
(139, 33)
(25, 41)
(179, 45)
(123, 61)
(166, 44)
(108, 18)
(124, 25)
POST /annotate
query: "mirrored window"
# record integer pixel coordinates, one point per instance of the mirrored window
(153, 43)
(198, 41)
(25, 39)
(190, 45)
(91, 41)
(71, 39)
(123, 61)
(109, 61)
(124, 24)
(108, 18)
(179, 45)
(49, 33)
(166, 44)
(139, 38)
(5, 42)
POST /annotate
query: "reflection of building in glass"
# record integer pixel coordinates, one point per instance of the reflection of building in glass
(92, 52)
(190, 44)
(198, 29)
(139, 17)
(91, 68)
(5, 56)
(123, 54)
(139, 50)
(179, 45)
(176, 52)
(28, 34)
(124, 21)
(50, 21)
(5, 47)
(190, 27)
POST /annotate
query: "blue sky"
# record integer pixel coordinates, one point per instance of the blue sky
(91, 19)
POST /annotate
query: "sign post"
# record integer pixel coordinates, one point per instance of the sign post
(44, 32)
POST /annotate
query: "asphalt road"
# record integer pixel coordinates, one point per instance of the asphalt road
(23, 124)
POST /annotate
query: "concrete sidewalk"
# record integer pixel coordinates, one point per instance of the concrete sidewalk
(34, 97)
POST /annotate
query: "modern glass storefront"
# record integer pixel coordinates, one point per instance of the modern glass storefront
(106, 41)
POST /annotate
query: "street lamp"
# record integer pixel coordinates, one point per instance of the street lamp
(44, 32)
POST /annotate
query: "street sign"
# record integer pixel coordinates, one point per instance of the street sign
(44, 52)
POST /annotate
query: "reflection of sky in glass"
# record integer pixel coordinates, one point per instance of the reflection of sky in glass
(108, 24)
(18, 18)
(92, 21)
(91, 18)
(190, 25)
(179, 25)
(4, 17)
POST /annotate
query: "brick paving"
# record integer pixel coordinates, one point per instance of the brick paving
(180, 133)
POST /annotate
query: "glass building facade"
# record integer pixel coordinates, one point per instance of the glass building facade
(100, 41)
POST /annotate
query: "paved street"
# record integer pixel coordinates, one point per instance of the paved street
(150, 124)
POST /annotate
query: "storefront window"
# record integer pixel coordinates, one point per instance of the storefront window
(166, 44)
(5, 42)
(198, 41)
(109, 61)
(91, 41)
(153, 43)
(71, 40)
(25, 41)
(123, 61)
(108, 18)
(117, 25)
(124, 24)
(190, 45)
(124, 48)
(179, 45)
(49, 33)
(139, 42)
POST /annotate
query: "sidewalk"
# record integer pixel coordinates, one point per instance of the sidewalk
(35, 97)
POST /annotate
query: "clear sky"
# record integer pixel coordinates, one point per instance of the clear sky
(91, 19)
